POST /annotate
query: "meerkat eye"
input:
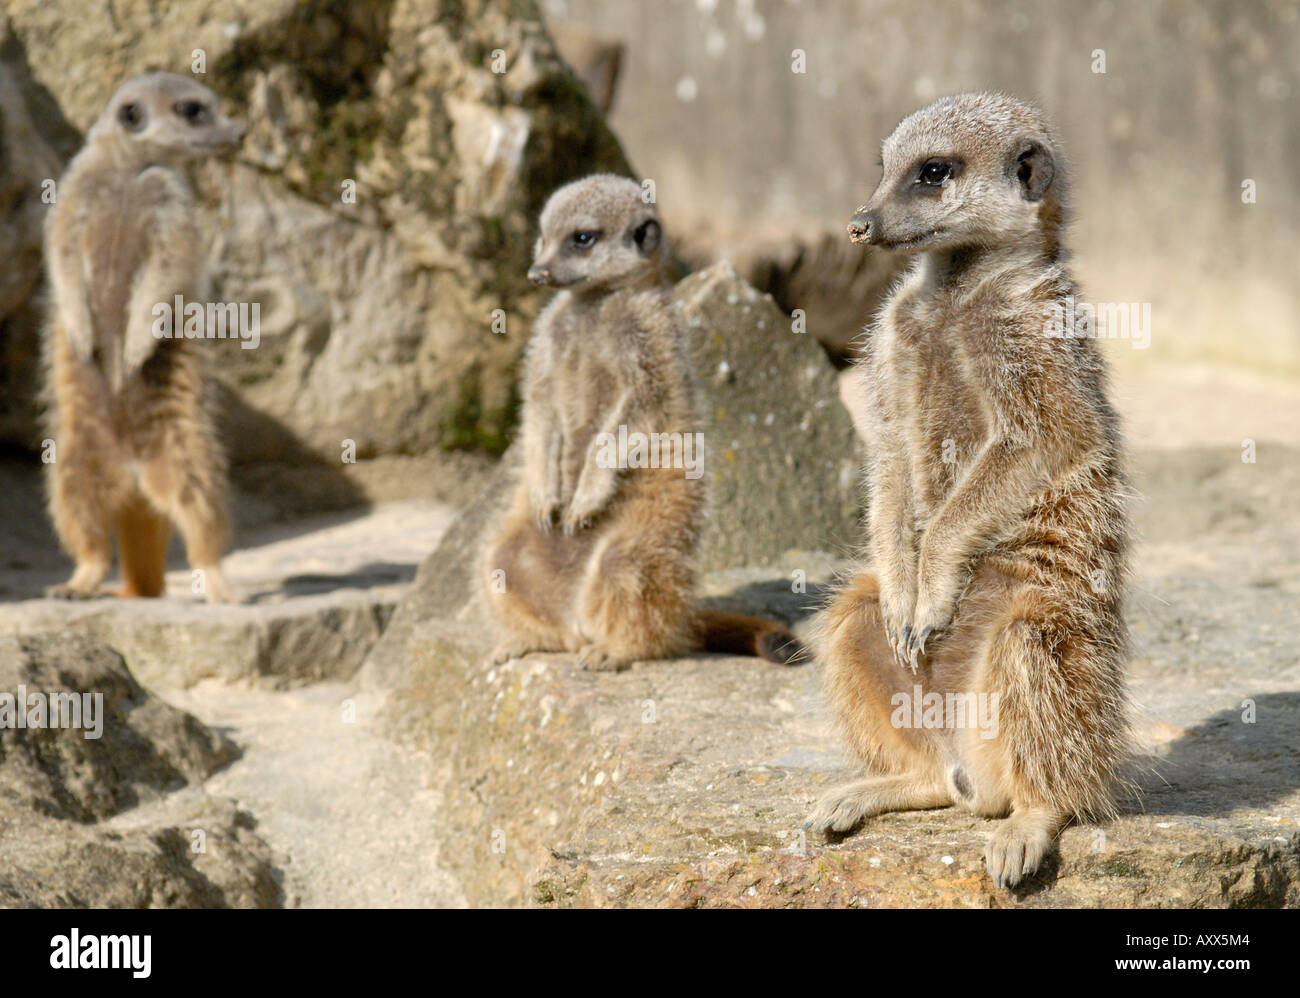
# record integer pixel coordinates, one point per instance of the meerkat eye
(934, 173)
(131, 116)
(192, 111)
(585, 238)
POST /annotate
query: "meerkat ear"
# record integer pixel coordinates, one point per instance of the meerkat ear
(647, 236)
(1034, 167)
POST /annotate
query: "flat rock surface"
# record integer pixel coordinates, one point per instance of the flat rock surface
(347, 811)
(317, 594)
(686, 782)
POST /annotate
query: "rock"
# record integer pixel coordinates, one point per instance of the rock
(596, 59)
(143, 747)
(115, 819)
(776, 437)
(445, 583)
(318, 594)
(451, 122)
(685, 782)
(838, 286)
(35, 141)
(138, 860)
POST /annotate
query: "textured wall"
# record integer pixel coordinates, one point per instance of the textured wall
(1196, 97)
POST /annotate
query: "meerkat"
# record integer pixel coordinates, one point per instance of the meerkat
(997, 502)
(593, 558)
(135, 443)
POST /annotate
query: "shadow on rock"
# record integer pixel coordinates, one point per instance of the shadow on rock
(1227, 762)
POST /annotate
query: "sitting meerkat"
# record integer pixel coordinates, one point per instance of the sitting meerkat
(997, 508)
(594, 558)
(135, 445)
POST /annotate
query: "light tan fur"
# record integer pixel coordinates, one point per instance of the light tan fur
(135, 444)
(998, 529)
(600, 560)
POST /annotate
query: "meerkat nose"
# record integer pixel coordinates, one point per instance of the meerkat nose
(539, 275)
(860, 227)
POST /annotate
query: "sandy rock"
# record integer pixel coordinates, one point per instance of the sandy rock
(837, 286)
(116, 820)
(451, 123)
(143, 859)
(317, 595)
(685, 783)
(777, 439)
(35, 141)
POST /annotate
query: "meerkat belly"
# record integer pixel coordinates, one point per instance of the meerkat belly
(948, 424)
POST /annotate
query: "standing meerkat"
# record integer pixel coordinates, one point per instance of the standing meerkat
(135, 444)
(998, 528)
(595, 558)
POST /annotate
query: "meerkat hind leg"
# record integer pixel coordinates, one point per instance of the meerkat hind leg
(85, 582)
(193, 497)
(81, 515)
(1020, 843)
(845, 807)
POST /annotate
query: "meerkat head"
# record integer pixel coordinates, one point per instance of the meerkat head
(598, 233)
(163, 117)
(970, 170)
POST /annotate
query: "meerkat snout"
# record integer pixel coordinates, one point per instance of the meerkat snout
(860, 227)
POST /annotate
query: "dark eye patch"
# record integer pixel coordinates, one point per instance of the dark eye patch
(934, 172)
(584, 239)
(195, 112)
(131, 117)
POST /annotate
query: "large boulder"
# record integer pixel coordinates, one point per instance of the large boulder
(685, 782)
(380, 209)
(782, 461)
(835, 286)
(35, 142)
(110, 813)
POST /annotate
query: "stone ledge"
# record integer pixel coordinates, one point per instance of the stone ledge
(559, 792)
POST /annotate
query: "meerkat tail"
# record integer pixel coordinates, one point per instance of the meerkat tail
(142, 544)
(737, 634)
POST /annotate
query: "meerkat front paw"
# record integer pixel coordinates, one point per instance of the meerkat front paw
(597, 659)
(896, 615)
(936, 603)
(508, 650)
(577, 518)
(546, 509)
(928, 625)
(66, 590)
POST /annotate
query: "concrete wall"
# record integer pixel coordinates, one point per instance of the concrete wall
(1197, 96)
